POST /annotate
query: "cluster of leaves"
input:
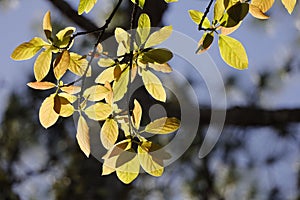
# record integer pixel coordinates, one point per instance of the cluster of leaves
(136, 56)
(228, 16)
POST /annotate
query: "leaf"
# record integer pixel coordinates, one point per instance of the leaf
(233, 52)
(205, 42)
(143, 28)
(106, 75)
(117, 72)
(264, 5)
(120, 86)
(95, 93)
(148, 163)
(256, 12)
(164, 125)
(86, 6)
(47, 25)
(106, 62)
(141, 3)
(61, 64)
(71, 89)
(289, 5)
(109, 133)
(235, 14)
(122, 36)
(109, 166)
(171, 1)
(159, 36)
(47, 115)
(153, 86)
(219, 10)
(83, 137)
(197, 16)
(118, 148)
(99, 111)
(137, 114)
(42, 65)
(62, 106)
(160, 56)
(63, 37)
(227, 31)
(129, 171)
(78, 64)
(27, 50)
(71, 98)
(165, 67)
(41, 85)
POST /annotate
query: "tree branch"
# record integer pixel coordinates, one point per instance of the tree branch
(249, 116)
(200, 27)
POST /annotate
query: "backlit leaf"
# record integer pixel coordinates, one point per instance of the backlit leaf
(41, 85)
(227, 31)
(153, 86)
(62, 106)
(256, 12)
(121, 35)
(120, 86)
(106, 62)
(71, 98)
(137, 114)
(98, 111)
(197, 16)
(109, 133)
(118, 148)
(47, 115)
(47, 25)
(263, 5)
(86, 6)
(143, 28)
(171, 1)
(289, 5)
(235, 14)
(141, 3)
(71, 89)
(159, 55)
(219, 10)
(205, 42)
(95, 93)
(233, 52)
(148, 163)
(106, 75)
(129, 171)
(165, 67)
(159, 36)
(63, 37)
(61, 64)
(163, 125)
(27, 50)
(109, 165)
(42, 65)
(82, 136)
(78, 64)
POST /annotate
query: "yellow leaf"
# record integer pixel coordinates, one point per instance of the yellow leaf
(42, 65)
(118, 148)
(129, 171)
(227, 31)
(109, 133)
(27, 50)
(109, 166)
(78, 64)
(289, 5)
(158, 36)
(106, 75)
(106, 62)
(165, 67)
(120, 86)
(153, 86)
(47, 115)
(256, 12)
(62, 106)
(233, 52)
(110, 96)
(86, 6)
(197, 16)
(163, 125)
(134, 70)
(263, 5)
(219, 10)
(71, 98)
(83, 137)
(98, 111)
(137, 114)
(41, 85)
(205, 42)
(47, 25)
(61, 64)
(71, 89)
(148, 163)
(143, 28)
(95, 93)
(122, 36)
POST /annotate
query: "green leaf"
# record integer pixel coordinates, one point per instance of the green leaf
(99, 111)
(109, 133)
(83, 137)
(157, 56)
(233, 52)
(86, 6)
(159, 36)
(143, 28)
(163, 125)
(27, 50)
(197, 16)
(289, 5)
(235, 14)
(120, 86)
(154, 86)
(42, 65)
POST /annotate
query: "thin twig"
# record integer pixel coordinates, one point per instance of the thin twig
(203, 17)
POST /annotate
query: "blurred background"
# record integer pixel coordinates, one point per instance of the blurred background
(256, 157)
